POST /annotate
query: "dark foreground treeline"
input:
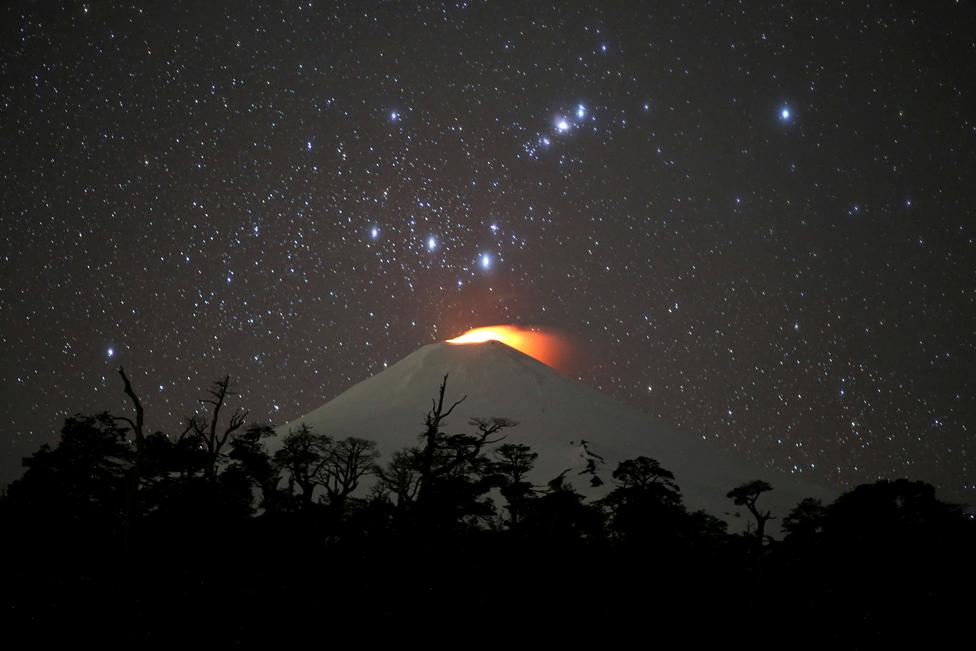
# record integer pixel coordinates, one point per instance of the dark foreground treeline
(126, 538)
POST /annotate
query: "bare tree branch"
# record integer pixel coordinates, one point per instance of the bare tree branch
(136, 403)
(134, 474)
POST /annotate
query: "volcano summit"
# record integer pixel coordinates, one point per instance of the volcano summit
(573, 427)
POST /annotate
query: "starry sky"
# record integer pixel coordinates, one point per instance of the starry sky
(754, 219)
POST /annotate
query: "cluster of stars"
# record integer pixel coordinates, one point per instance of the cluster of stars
(760, 239)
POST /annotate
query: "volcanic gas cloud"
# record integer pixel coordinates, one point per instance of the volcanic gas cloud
(547, 347)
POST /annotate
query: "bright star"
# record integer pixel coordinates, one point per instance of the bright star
(394, 116)
(580, 111)
(431, 243)
(562, 125)
(785, 114)
(110, 352)
(485, 261)
(374, 232)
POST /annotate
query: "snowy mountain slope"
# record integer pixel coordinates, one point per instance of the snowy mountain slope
(570, 425)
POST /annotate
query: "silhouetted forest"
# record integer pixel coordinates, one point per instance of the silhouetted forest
(212, 534)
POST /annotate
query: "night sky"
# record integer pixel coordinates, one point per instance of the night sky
(755, 220)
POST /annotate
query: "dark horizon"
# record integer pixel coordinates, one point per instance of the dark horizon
(278, 542)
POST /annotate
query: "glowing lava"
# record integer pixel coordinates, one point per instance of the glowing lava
(546, 347)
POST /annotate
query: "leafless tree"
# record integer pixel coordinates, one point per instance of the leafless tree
(303, 456)
(210, 436)
(134, 473)
(401, 476)
(348, 462)
(445, 455)
(463, 451)
(312, 460)
(432, 437)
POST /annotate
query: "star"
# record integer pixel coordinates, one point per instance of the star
(545, 133)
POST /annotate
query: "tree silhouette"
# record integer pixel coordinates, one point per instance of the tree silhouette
(250, 456)
(134, 475)
(431, 438)
(805, 521)
(454, 474)
(561, 515)
(645, 505)
(349, 460)
(400, 477)
(881, 560)
(207, 431)
(877, 561)
(303, 456)
(646, 474)
(311, 460)
(748, 495)
(889, 511)
(512, 463)
(80, 482)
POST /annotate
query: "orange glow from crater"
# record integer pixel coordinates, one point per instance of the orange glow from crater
(548, 348)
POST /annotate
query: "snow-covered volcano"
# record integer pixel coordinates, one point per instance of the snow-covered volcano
(570, 425)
